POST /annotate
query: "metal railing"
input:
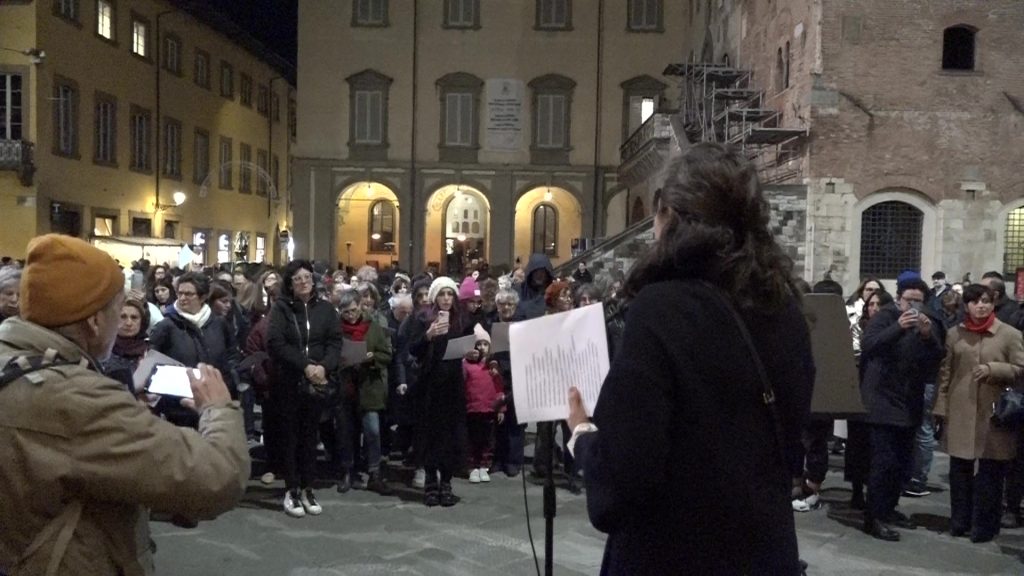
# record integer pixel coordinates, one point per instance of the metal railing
(17, 155)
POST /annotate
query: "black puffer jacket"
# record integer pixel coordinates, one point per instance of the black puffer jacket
(301, 334)
(214, 344)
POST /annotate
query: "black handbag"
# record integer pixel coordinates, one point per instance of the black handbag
(1008, 411)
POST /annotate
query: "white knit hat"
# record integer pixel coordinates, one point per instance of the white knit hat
(440, 283)
(481, 334)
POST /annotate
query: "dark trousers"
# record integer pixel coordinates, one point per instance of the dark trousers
(510, 440)
(815, 439)
(480, 428)
(1015, 478)
(300, 417)
(540, 450)
(892, 452)
(273, 434)
(857, 457)
(974, 498)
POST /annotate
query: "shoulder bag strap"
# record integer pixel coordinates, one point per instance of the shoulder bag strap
(767, 392)
(63, 526)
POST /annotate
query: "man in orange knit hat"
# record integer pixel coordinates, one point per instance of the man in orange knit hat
(82, 460)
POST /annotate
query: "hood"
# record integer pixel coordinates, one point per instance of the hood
(25, 336)
(538, 261)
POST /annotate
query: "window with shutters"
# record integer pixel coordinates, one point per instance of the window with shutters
(225, 158)
(461, 13)
(545, 230)
(552, 113)
(11, 107)
(554, 15)
(172, 54)
(641, 96)
(105, 22)
(141, 128)
(201, 74)
(140, 36)
(245, 90)
(460, 118)
(67, 9)
(172, 148)
(245, 168)
(263, 101)
(262, 172)
(65, 117)
(368, 115)
(105, 130)
(227, 80)
(201, 156)
(645, 16)
(890, 239)
(371, 13)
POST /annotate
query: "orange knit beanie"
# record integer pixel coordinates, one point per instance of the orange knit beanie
(66, 280)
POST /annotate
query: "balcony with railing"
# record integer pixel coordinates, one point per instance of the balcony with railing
(16, 155)
(643, 153)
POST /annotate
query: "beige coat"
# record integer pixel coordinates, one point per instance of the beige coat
(81, 459)
(967, 405)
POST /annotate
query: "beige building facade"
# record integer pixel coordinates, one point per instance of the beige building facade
(431, 133)
(141, 124)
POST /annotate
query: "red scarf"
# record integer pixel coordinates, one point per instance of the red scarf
(973, 325)
(355, 332)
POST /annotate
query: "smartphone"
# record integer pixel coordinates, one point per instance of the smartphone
(171, 381)
(917, 306)
(442, 319)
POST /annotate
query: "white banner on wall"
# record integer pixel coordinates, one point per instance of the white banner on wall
(504, 127)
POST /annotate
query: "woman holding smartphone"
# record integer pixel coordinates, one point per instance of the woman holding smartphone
(440, 391)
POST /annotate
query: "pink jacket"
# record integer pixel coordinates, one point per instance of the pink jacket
(482, 389)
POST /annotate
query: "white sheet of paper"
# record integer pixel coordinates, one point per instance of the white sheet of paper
(459, 347)
(353, 353)
(171, 381)
(146, 365)
(554, 353)
(499, 337)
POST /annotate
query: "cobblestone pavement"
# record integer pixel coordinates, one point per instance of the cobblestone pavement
(363, 534)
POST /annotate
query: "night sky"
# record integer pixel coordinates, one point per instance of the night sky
(273, 22)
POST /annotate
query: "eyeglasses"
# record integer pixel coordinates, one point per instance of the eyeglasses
(300, 278)
(912, 300)
(507, 304)
(350, 311)
(187, 294)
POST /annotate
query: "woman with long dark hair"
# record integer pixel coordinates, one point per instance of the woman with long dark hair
(440, 390)
(304, 341)
(711, 301)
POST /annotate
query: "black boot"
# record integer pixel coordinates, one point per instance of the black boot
(447, 499)
(431, 496)
(344, 481)
(879, 530)
(378, 485)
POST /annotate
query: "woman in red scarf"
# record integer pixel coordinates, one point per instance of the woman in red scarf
(131, 344)
(983, 356)
(364, 395)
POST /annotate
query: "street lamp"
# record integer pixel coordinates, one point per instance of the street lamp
(179, 198)
(35, 55)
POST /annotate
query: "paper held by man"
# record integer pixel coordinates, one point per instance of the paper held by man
(554, 353)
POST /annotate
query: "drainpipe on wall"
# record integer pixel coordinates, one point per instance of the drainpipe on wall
(270, 142)
(598, 174)
(413, 214)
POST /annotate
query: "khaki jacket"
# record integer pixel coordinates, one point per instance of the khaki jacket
(967, 405)
(82, 459)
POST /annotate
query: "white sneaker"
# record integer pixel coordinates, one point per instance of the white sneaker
(268, 478)
(484, 476)
(293, 505)
(474, 476)
(419, 480)
(309, 503)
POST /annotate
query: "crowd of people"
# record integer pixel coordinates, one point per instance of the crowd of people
(348, 368)
(710, 383)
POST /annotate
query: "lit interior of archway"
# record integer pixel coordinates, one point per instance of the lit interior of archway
(353, 236)
(570, 221)
(457, 215)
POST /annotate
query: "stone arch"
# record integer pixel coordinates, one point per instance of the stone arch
(929, 227)
(352, 239)
(569, 213)
(446, 245)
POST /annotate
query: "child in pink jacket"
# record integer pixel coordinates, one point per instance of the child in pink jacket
(484, 391)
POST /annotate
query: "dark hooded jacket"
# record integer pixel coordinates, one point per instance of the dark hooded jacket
(531, 301)
(303, 334)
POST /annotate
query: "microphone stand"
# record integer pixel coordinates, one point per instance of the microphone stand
(549, 501)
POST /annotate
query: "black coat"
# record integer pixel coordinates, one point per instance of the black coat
(685, 473)
(440, 395)
(896, 364)
(531, 301)
(215, 344)
(303, 334)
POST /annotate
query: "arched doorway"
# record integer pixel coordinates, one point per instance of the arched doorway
(367, 226)
(890, 239)
(457, 227)
(638, 212)
(547, 220)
